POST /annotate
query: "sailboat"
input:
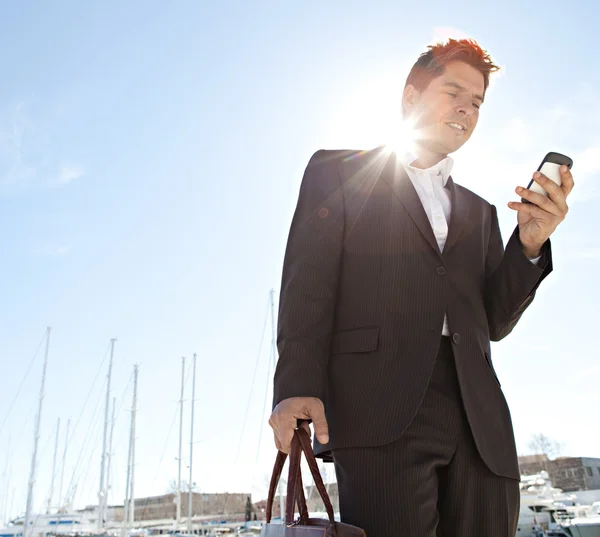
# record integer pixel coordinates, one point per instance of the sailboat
(31, 525)
(177, 532)
(60, 523)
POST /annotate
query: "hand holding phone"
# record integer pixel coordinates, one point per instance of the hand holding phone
(537, 221)
(550, 167)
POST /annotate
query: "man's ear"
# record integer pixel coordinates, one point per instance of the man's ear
(410, 96)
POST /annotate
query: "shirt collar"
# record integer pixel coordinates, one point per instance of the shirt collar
(442, 168)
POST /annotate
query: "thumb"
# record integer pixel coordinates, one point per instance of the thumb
(317, 415)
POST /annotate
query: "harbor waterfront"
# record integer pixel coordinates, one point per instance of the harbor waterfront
(545, 511)
(559, 496)
(212, 208)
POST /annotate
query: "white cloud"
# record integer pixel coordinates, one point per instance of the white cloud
(69, 173)
(588, 161)
(581, 378)
(52, 250)
(518, 147)
(18, 162)
(518, 135)
(589, 253)
(541, 348)
(442, 33)
(558, 113)
(27, 159)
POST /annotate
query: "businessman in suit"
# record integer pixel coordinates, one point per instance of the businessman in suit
(395, 280)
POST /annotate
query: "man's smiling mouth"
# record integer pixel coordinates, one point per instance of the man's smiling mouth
(457, 126)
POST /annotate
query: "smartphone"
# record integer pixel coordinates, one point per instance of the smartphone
(550, 167)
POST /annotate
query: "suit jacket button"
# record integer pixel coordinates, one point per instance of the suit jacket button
(456, 338)
(441, 271)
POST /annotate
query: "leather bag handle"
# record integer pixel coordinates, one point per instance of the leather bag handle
(276, 475)
(306, 446)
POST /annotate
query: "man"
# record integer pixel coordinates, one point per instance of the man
(395, 281)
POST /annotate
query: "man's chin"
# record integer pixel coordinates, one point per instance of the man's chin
(451, 146)
(442, 147)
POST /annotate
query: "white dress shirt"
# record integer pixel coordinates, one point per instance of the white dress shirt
(430, 185)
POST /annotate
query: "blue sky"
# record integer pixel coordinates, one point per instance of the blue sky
(150, 159)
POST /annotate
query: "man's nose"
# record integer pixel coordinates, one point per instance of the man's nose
(466, 109)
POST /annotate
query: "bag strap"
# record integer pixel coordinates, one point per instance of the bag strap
(306, 446)
(294, 473)
(276, 475)
(277, 469)
(302, 506)
(300, 443)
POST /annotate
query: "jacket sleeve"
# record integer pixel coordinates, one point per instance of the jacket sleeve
(310, 281)
(511, 279)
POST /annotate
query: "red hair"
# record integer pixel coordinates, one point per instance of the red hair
(431, 64)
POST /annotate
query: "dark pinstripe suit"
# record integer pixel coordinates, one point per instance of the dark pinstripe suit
(363, 297)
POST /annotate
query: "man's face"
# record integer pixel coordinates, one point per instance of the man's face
(445, 114)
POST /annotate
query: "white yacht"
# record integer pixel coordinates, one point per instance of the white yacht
(548, 511)
(587, 525)
(51, 525)
(543, 507)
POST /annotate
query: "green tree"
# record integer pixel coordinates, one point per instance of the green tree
(249, 509)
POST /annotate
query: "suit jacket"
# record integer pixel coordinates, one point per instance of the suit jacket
(363, 296)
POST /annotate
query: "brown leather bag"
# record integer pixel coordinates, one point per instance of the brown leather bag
(303, 526)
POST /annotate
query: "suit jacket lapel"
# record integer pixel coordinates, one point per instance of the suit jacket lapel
(460, 205)
(398, 179)
(395, 174)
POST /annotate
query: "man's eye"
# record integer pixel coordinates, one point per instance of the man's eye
(476, 105)
(452, 94)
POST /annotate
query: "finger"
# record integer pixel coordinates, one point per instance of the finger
(540, 200)
(283, 428)
(321, 428)
(555, 192)
(306, 426)
(273, 424)
(531, 209)
(567, 181)
(286, 434)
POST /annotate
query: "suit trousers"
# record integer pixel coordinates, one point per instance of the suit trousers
(430, 481)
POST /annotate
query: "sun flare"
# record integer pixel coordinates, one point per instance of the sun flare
(372, 117)
(400, 137)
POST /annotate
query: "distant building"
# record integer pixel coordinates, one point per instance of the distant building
(260, 508)
(165, 506)
(533, 464)
(576, 473)
(313, 501)
(567, 473)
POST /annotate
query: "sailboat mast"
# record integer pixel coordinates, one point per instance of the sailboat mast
(62, 471)
(127, 511)
(102, 489)
(189, 524)
(274, 353)
(127, 488)
(6, 481)
(12, 499)
(178, 516)
(51, 496)
(133, 420)
(36, 439)
(109, 454)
